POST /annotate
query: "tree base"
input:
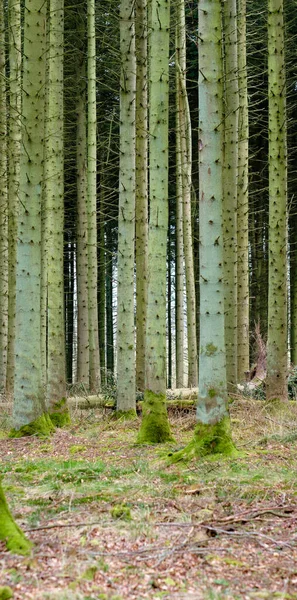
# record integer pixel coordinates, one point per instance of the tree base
(42, 427)
(208, 440)
(10, 533)
(125, 415)
(60, 415)
(155, 428)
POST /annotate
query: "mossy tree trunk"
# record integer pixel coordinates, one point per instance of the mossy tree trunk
(126, 396)
(54, 217)
(141, 184)
(29, 398)
(242, 203)
(212, 433)
(10, 533)
(155, 426)
(277, 367)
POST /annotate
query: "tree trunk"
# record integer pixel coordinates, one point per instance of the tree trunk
(54, 190)
(186, 162)
(230, 189)
(94, 359)
(155, 426)
(179, 255)
(82, 233)
(242, 204)
(29, 401)
(3, 208)
(212, 434)
(277, 360)
(141, 184)
(14, 147)
(126, 396)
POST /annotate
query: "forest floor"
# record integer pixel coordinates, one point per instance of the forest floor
(111, 520)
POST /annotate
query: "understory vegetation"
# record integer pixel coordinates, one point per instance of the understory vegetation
(110, 520)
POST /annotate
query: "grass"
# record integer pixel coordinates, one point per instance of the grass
(134, 517)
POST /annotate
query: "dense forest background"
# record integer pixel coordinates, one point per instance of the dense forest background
(148, 295)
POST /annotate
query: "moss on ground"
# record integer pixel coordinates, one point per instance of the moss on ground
(59, 413)
(208, 440)
(155, 427)
(10, 533)
(6, 593)
(42, 427)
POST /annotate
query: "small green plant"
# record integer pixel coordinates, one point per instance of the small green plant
(121, 511)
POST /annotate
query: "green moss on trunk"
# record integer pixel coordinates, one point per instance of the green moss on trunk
(155, 428)
(41, 427)
(60, 415)
(10, 533)
(208, 440)
(125, 415)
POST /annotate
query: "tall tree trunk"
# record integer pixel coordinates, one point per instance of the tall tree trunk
(141, 184)
(230, 189)
(82, 234)
(276, 383)
(101, 280)
(212, 434)
(155, 426)
(126, 397)
(14, 33)
(3, 208)
(242, 203)
(29, 401)
(109, 304)
(54, 188)
(179, 255)
(186, 156)
(94, 359)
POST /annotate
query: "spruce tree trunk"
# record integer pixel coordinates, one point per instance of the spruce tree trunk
(126, 397)
(242, 204)
(230, 189)
(109, 304)
(14, 146)
(293, 286)
(101, 280)
(94, 359)
(179, 254)
(29, 401)
(212, 434)
(82, 256)
(3, 208)
(277, 360)
(155, 426)
(54, 215)
(186, 162)
(141, 184)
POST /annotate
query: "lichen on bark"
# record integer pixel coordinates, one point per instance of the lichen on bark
(155, 428)
(10, 533)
